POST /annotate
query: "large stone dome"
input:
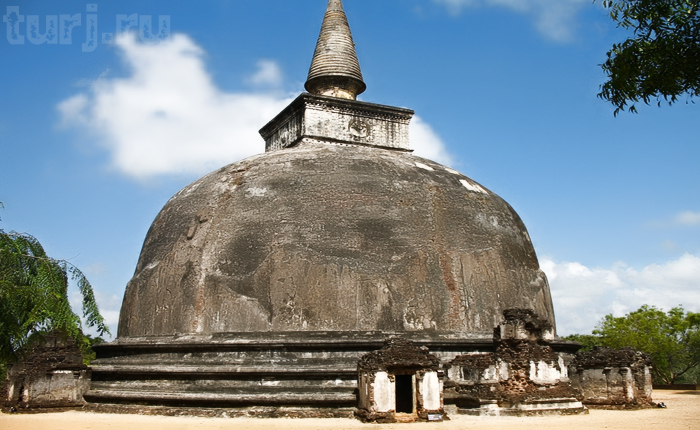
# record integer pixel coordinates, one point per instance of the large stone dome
(334, 238)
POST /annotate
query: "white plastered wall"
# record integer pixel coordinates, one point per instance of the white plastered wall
(384, 392)
(431, 389)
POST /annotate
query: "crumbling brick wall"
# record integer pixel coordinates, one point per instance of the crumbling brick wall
(522, 369)
(50, 375)
(613, 377)
(398, 353)
(398, 357)
(509, 375)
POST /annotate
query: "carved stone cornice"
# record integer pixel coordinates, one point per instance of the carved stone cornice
(334, 120)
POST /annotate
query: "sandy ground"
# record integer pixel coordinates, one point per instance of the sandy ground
(683, 412)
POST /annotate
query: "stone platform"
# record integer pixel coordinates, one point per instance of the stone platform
(307, 374)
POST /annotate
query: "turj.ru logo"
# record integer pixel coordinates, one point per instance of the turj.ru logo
(59, 29)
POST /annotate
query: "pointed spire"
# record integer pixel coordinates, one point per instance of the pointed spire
(335, 70)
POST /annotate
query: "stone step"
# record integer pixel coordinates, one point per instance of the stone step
(230, 361)
(200, 371)
(217, 387)
(272, 397)
(227, 386)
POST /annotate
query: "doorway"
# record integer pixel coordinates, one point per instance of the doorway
(404, 394)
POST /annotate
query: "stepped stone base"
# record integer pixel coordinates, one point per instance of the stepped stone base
(223, 412)
(303, 374)
(282, 374)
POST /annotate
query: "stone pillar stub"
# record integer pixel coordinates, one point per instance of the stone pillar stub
(316, 118)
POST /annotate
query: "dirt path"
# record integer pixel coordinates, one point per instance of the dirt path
(683, 412)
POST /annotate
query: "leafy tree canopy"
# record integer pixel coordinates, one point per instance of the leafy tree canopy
(672, 339)
(662, 59)
(34, 296)
(587, 341)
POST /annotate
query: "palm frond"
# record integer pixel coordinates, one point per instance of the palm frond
(34, 295)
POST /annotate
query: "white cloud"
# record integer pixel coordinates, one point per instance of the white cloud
(553, 18)
(268, 74)
(109, 306)
(456, 6)
(688, 218)
(168, 117)
(583, 296)
(426, 143)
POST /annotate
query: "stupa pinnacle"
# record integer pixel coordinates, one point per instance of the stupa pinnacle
(335, 70)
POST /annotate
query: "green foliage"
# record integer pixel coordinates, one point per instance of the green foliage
(34, 296)
(662, 59)
(589, 341)
(88, 353)
(671, 338)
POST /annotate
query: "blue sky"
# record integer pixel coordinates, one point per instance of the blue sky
(92, 144)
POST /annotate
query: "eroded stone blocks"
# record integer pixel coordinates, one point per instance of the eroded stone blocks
(619, 378)
(51, 375)
(316, 118)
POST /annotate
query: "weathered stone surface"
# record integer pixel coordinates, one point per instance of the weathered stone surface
(523, 324)
(50, 375)
(601, 357)
(398, 354)
(382, 398)
(337, 238)
(313, 118)
(295, 373)
(618, 378)
(527, 374)
(335, 70)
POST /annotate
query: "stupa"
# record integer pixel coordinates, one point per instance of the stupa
(260, 285)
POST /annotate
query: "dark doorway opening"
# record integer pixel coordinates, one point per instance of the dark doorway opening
(404, 394)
